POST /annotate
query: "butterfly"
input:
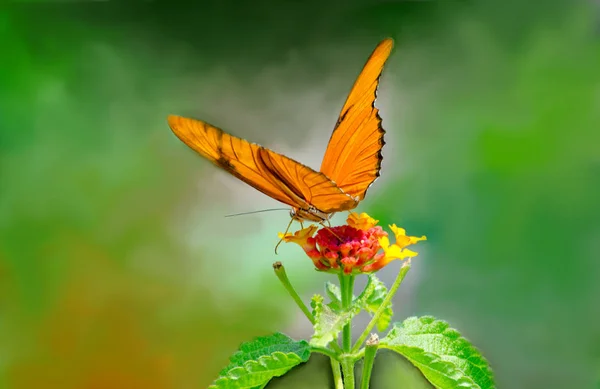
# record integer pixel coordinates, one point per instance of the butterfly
(351, 163)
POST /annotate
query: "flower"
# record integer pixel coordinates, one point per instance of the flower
(360, 246)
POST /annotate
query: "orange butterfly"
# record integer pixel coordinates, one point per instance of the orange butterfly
(351, 163)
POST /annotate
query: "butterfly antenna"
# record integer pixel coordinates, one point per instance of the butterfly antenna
(286, 231)
(262, 210)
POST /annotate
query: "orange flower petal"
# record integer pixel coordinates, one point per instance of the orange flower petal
(301, 237)
(362, 221)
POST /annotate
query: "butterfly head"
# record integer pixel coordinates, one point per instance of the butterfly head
(310, 214)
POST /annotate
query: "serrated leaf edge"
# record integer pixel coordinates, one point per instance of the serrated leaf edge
(250, 367)
(362, 302)
(434, 364)
(245, 349)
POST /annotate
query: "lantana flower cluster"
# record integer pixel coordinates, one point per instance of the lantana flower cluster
(360, 246)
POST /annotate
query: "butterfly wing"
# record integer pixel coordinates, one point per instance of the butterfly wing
(353, 156)
(276, 175)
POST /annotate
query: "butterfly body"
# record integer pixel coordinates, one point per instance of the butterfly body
(351, 163)
(311, 214)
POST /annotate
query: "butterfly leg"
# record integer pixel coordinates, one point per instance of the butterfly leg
(286, 231)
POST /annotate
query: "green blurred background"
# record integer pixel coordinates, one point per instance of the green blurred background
(117, 267)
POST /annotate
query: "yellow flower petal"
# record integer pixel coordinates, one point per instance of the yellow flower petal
(384, 242)
(393, 252)
(300, 237)
(402, 239)
(362, 221)
(406, 253)
(397, 230)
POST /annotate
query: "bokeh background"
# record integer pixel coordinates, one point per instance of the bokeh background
(117, 267)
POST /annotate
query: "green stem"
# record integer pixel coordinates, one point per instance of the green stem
(348, 370)
(388, 298)
(347, 292)
(337, 375)
(336, 348)
(325, 351)
(281, 274)
(370, 351)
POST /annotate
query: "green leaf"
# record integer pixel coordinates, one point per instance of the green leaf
(255, 374)
(441, 374)
(436, 337)
(372, 298)
(335, 295)
(267, 345)
(328, 324)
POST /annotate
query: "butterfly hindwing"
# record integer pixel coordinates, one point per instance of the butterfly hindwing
(276, 175)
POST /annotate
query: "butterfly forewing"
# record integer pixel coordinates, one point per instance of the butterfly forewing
(353, 156)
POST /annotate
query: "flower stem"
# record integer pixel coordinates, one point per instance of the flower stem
(388, 298)
(370, 351)
(281, 274)
(348, 370)
(337, 375)
(347, 292)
